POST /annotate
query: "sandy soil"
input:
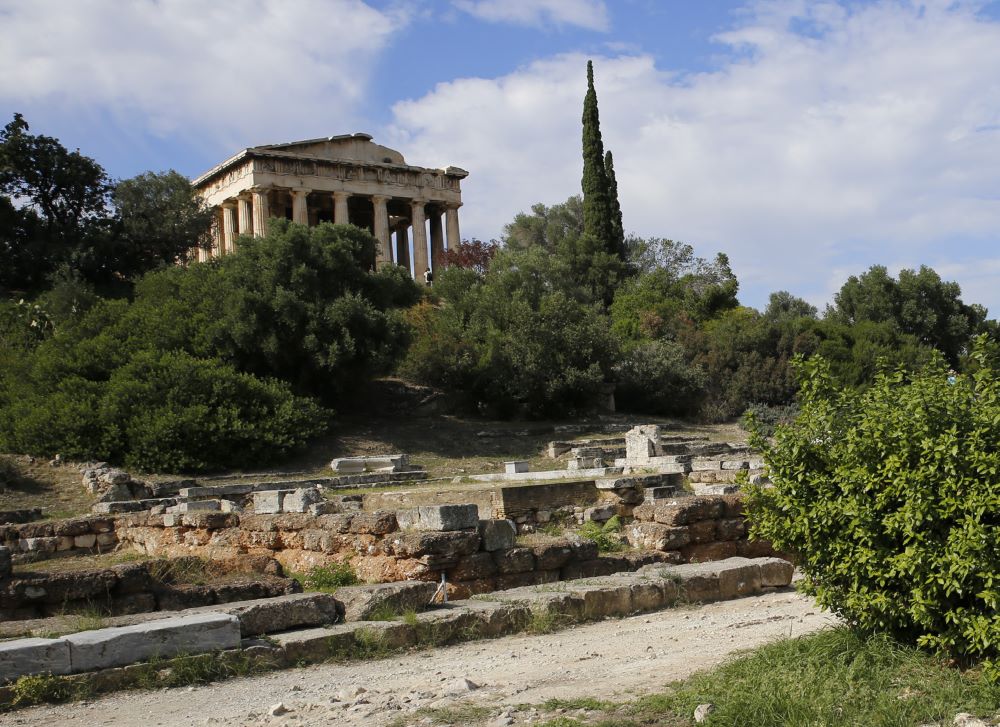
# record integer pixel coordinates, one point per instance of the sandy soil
(612, 659)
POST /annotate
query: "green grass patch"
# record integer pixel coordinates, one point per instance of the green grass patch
(834, 678)
(607, 537)
(328, 578)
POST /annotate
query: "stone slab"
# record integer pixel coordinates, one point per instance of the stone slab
(195, 634)
(359, 603)
(33, 656)
(281, 613)
(497, 534)
(548, 475)
(439, 517)
(515, 466)
(269, 502)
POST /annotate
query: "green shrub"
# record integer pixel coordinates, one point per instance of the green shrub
(329, 577)
(607, 536)
(655, 378)
(890, 498)
(763, 418)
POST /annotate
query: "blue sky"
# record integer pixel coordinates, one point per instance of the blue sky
(808, 140)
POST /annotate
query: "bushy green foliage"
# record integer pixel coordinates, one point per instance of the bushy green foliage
(607, 537)
(329, 577)
(656, 378)
(210, 365)
(889, 497)
(525, 339)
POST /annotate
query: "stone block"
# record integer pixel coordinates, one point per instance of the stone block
(730, 528)
(775, 572)
(655, 536)
(85, 541)
(198, 506)
(380, 522)
(22, 657)
(40, 545)
(599, 514)
(663, 492)
(6, 563)
(706, 552)
(316, 644)
(65, 542)
(514, 560)
(738, 577)
(497, 534)
(552, 556)
(702, 531)
(194, 634)
(268, 502)
(270, 615)
(416, 544)
(735, 464)
(439, 517)
(516, 466)
(106, 540)
(476, 566)
(359, 603)
(299, 500)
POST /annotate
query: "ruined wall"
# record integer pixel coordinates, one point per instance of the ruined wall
(137, 588)
(38, 540)
(697, 529)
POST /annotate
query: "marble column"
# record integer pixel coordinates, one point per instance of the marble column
(451, 223)
(300, 212)
(384, 253)
(228, 227)
(260, 211)
(341, 215)
(419, 240)
(403, 243)
(437, 240)
(244, 216)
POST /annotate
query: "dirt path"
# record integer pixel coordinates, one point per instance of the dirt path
(609, 659)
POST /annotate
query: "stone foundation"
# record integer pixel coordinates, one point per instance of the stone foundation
(39, 540)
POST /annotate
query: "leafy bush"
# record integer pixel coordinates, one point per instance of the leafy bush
(10, 472)
(329, 577)
(607, 536)
(655, 378)
(890, 497)
(764, 418)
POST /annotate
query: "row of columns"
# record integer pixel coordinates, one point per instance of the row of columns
(250, 211)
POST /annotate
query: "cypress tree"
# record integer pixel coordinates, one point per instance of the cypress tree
(597, 216)
(617, 230)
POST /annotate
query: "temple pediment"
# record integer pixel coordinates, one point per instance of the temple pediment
(346, 147)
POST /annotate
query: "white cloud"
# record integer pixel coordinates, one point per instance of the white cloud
(239, 73)
(588, 14)
(827, 139)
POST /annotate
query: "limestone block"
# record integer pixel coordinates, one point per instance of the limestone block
(730, 529)
(194, 634)
(514, 560)
(106, 540)
(198, 506)
(348, 465)
(600, 514)
(705, 464)
(380, 522)
(738, 577)
(84, 541)
(415, 544)
(439, 517)
(640, 443)
(299, 500)
(497, 534)
(316, 644)
(64, 542)
(735, 464)
(22, 657)
(775, 572)
(552, 556)
(655, 536)
(702, 531)
(359, 603)
(268, 502)
(653, 494)
(516, 466)
(269, 615)
(473, 567)
(40, 545)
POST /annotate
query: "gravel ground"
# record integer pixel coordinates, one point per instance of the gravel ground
(613, 659)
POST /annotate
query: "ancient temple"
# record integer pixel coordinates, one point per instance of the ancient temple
(345, 178)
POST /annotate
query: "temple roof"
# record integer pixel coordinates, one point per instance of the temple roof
(356, 147)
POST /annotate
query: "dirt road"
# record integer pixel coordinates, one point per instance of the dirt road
(608, 659)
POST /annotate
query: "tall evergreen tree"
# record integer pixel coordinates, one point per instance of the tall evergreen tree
(617, 230)
(597, 214)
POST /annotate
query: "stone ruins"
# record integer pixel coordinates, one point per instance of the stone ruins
(342, 179)
(417, 544)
